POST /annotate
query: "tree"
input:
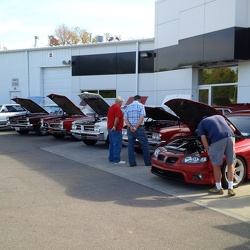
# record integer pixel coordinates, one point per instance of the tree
(68, 36)
(109, 37)
(75, 35)
(219, 75)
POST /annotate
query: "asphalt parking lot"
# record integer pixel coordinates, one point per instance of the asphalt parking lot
(60, 194)
(237, 207)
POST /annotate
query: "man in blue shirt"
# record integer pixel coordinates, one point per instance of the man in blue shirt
(218, 139)
(134, 119)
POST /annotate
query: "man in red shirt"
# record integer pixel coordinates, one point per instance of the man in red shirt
(115, 124)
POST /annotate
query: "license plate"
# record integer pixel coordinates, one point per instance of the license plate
(17, 129)
(51, 131)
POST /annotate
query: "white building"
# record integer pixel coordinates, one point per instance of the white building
(192, 38)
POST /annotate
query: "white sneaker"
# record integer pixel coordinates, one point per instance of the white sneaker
(120, 162)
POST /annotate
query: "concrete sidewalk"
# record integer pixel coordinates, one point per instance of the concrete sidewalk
(96, 156)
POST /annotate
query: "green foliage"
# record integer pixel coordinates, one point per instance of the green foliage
(64, 35)
(219, 75)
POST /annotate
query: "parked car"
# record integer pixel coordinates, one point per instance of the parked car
(95, 129)
(59, 127)
(185, 159)
(160, 127)
(33, 120)
(10, 110)
(224, 109)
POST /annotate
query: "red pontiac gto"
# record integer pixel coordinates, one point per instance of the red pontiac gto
(60, 127)
(185, 159)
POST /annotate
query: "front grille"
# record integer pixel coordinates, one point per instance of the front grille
(55, 125)
(160, 157)
(88, 128)
(20, 121)
(167, 174)
(167, 160)
(171, 160)
(78, 126)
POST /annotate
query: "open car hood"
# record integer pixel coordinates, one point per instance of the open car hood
(65, 104)
(191, 112)
(96, 102)
(29, 105)
(159, 113)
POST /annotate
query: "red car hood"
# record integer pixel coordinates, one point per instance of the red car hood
(159, 113)
(191, 112)
(65, 104)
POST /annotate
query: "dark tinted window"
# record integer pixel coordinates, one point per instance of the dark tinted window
(114, 63)
(146, 61)
(103, 64)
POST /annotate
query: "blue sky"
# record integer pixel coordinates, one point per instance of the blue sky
(21, 20)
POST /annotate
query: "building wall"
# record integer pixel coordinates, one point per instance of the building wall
(185, 29)
(42, 71)
(244, 82)
(178, 19)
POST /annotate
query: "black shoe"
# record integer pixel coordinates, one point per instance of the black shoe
(133, 165)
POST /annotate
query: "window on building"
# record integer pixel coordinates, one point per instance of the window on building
(218, 86)
(113, 63)
(107, 93)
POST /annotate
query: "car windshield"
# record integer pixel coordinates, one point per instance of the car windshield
(53, 110)
(13, 108)
(242, 123)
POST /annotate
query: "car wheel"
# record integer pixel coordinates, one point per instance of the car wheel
(107, 142)
(89, 142)
(23, 132)
(239, 173)
(41, 131)
(58, 136)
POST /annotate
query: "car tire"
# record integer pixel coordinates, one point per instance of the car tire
(23, 132)
(40, 131)
(239, 173)
(107, 141)
(89, 142)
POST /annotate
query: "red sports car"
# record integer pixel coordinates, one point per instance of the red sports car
(185, 159)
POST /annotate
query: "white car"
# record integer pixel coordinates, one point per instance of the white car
(95, 129)
(9, 110)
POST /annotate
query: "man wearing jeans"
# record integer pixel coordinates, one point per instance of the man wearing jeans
(115, 124)
(134, 119)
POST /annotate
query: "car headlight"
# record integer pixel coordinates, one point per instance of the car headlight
(124, 133)
(97, 128)
(194, 159)
(156, 136)
(61, 125)
(156, 152)
(73, 126)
